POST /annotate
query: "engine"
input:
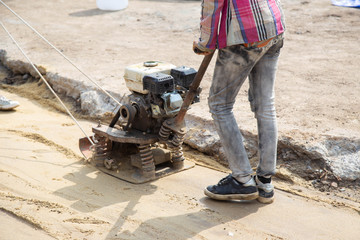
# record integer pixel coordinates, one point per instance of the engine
(157, 94)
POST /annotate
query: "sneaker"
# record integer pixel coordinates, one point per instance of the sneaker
(6, 104)
(265, 188)
(229, 188)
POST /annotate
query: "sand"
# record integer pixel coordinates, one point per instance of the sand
(46, 186)
(48, 192)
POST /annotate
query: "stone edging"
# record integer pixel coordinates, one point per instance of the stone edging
(339, 156)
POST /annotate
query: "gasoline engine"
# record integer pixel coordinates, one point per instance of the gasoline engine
(135, 146)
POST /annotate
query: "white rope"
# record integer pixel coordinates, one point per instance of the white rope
(57, 50)
(47, 84)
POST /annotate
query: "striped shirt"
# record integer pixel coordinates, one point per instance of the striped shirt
(231, 22)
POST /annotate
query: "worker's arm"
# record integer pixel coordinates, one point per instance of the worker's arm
(210, 19)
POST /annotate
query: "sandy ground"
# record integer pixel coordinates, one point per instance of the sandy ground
(46, 189)
(317, 89)
(48, 192)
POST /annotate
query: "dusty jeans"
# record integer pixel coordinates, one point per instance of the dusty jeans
(233, 65)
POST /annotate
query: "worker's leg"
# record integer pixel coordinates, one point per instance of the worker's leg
(262, 99)
(233, 65)
(232, 68)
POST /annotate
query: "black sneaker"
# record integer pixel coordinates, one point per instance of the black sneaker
(265, 188)
(229, 188)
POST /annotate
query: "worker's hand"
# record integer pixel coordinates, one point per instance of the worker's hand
(198, 51)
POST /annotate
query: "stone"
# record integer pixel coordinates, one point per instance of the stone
(96, 104)
(339, 154)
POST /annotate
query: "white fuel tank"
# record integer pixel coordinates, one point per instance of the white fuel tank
(134, 73)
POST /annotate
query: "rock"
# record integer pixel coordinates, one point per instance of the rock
(70, 87)
(339, 154)
(67, 86)
(325, 182)
(346, 166)
(20, 67)
(315, 181)
(207, 140)
(96, 104)
(334, 184)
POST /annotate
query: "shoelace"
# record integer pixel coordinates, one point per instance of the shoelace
(225, 180)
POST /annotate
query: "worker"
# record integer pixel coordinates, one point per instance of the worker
(248, 36)
(6, 104)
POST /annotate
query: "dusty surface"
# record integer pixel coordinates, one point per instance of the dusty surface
(317, 88)
(44, 184)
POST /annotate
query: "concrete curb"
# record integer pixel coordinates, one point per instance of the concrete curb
(339, 156)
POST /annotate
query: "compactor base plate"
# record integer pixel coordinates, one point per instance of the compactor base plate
(132, 174)
(124, 168)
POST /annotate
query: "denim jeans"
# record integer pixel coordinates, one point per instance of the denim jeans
(233, 65)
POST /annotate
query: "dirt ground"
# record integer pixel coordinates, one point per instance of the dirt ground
(48, 192)
(317, 88)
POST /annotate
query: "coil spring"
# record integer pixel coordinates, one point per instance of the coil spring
(101, 149)
(164, 133)
(176, 148)
(147, 159)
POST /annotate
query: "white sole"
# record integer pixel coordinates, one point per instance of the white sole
(265, 200)
(9, 107)
(250, 196)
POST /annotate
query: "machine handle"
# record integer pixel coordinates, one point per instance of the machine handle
(193, 89)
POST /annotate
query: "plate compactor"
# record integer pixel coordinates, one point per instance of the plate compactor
(144, 140)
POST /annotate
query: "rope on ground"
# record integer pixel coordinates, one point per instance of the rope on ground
(58, 51)
(47, 84)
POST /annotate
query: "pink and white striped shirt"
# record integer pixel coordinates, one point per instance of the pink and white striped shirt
(231, 22)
